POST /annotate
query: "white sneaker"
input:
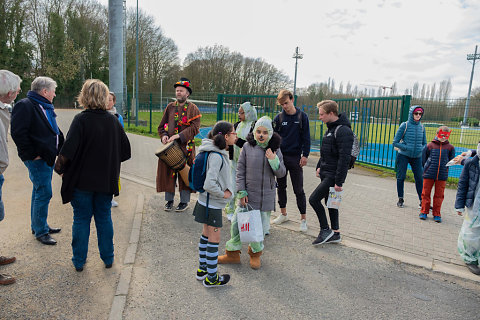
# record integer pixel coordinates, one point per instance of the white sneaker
(303, 225)
(114, 203)
(280, 219)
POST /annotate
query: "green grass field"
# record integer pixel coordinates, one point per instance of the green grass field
(384, 133)
(376, 133)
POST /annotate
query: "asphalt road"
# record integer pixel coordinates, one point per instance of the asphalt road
(296, 280)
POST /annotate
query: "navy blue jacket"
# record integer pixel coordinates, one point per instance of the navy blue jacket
(435, 156)
(33, 134)
(467, 184)
(293, 143)
(414, 138)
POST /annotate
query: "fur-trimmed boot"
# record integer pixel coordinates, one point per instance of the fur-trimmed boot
(229, 257)
(254, 258)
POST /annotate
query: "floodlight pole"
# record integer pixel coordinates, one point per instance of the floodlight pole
(470, 57)
(296, 56)
(136, 75)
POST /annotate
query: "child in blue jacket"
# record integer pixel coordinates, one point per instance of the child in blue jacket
(435, 156)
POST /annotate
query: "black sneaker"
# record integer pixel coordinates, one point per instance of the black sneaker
(323, 236)
(400, 203)
(169, 206)
(219, 282)
(335, 238)
(201, 274)
(181, 207)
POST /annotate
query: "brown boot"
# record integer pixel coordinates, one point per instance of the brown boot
(229, 257)
(6, 279)
(254, 258)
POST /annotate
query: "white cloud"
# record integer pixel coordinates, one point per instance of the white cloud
(370, 41)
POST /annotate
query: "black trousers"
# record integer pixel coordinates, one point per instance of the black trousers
(315, 200)
(292, 164)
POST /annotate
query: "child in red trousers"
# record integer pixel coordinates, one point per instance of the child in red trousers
(435, 156)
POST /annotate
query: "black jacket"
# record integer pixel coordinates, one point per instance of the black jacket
(295, 132)
(335, 152)
(90, 159)
(33, 134)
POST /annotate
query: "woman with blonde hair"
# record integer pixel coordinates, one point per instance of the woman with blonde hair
(88, 181)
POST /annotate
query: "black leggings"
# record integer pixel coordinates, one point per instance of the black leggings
(315, 200)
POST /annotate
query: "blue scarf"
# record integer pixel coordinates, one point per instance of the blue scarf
(48, 109)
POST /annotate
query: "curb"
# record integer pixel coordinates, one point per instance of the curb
(120, 298)
(394, 254)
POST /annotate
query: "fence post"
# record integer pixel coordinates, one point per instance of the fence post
(129, 105)
(150, 113)
(406, 101)
(220, 100)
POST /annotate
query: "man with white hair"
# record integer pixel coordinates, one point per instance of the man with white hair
(9, 89)
(38, 139)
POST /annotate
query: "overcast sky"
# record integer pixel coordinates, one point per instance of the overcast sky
(371, 42)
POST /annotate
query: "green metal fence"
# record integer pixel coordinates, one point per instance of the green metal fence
(374, 120)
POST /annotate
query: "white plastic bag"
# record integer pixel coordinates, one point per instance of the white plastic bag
(249, 225)
(334, 198)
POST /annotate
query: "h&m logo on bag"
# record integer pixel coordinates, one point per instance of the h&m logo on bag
(245, 227)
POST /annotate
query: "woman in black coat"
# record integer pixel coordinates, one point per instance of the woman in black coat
(89, 163)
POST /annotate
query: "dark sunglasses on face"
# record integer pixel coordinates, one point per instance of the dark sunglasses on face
(417, 114)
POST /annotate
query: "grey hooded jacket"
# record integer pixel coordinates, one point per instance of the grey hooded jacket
(218, 179)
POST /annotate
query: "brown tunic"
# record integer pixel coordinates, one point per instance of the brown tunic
(187, 131)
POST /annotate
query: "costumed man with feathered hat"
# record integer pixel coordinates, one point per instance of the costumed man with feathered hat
(181, 122)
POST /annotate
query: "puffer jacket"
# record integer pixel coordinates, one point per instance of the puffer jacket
(467, 184)
(434, 158)
(335, 153)
(414, 139)
(256, 176)
(218, 178)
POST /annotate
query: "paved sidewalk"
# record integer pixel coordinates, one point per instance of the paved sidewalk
(368, 214)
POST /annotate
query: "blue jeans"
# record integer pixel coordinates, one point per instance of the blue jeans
(2, 208)
(41, 176)
(85, 205)
(417, 169)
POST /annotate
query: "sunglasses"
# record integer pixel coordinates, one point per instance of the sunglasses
(417, 113)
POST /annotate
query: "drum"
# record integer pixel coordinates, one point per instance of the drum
(174, 157)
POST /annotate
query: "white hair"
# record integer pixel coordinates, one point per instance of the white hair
(41, 83)
(9, 82)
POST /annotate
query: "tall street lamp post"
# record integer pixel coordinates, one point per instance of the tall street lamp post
(296, 56)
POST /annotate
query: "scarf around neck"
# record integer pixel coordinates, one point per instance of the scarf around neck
(48, 106)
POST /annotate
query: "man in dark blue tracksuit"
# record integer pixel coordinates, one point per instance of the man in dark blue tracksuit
(292, 125)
